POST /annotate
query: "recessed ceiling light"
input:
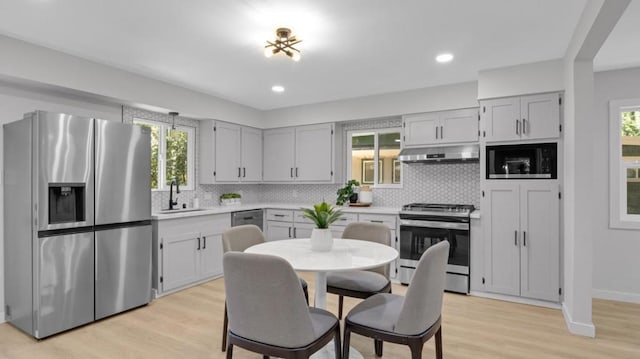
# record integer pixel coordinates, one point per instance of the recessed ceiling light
(442, 58)
(277, 88)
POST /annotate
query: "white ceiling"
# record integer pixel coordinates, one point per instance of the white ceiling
(350, 48)
(622, 47)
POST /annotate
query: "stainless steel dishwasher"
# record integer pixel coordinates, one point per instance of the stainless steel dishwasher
(254, 216)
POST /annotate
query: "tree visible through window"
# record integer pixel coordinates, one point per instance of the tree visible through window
(630, 129)
(171, 154)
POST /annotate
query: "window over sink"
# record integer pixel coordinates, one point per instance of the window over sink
(624, 150)
(172, 154)
(372, 157)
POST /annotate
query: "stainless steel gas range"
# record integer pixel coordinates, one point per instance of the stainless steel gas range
(423, 225)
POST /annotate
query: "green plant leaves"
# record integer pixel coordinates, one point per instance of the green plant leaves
(322, 215)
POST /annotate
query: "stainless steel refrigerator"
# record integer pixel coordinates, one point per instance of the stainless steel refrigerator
(77, 220)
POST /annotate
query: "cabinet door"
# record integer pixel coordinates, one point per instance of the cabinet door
(180, 260)
(251, 153)
(540, 250)
(501, 119)
(420, 129)
(540, 116)
(303, 230)
(459, 126)
(500, 212)
(210, 255)
(227, 152)
(314, 153)
(278, 155)
(279, 230)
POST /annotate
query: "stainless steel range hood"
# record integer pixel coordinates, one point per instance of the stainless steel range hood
(449, 154)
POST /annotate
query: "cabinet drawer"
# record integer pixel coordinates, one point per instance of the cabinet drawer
(298, 217)
(346, 219)
(282, 215)
(388, 220)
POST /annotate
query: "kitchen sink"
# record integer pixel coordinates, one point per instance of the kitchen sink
(180, 210)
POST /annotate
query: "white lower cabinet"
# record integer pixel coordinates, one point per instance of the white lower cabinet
(521, 235)
(187, 251)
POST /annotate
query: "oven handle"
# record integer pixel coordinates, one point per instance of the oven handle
(433, 224)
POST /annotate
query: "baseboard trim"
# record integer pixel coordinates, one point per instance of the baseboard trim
(617, 296)
(577, 328)
(509, 298)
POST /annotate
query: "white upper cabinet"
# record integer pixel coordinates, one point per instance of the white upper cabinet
(446, 127)
(279, 154)
(229, 153)
(299, 154)
(518, 118)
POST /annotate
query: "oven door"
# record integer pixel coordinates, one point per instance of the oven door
(417, 236)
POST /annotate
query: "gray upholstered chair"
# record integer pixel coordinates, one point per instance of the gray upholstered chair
(237, 239)
(361, 284)
(411, 319)
(267, 313)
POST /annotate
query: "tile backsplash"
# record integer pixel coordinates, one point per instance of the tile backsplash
(434, 183)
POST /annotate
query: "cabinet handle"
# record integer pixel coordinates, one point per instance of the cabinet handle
(296, 172)
(289, 232)
(375, 221)
(198, 243)
(291, 172)
(524, 125)
(239, 172)
(441, 132)
(517, 127)
(515, 238)
(524, 238)
(278, 215)
(244, 172)
(294, 232)
(204, 242)
(436, 132)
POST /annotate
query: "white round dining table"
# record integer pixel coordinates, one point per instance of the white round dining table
(345, 254)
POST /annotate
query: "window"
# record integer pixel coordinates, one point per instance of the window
(172, 154)
(624, 142)
(373, 157)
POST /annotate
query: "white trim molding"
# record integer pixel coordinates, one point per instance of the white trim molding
(617, 296)
(514, 299)
(577, 328)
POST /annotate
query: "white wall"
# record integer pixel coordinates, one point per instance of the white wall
(616, 272)
(463, 95)
(13, 104)
(22, 60)
(537, 77)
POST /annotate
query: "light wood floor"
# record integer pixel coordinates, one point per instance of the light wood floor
(187, 324)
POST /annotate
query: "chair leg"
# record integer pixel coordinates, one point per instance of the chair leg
(230, 351)
(347, 340)
(340, 303)
(378, 347)
(336, 342)
(416, 350)
(439, 343)
(306, 294)
(225, 324)
(265, 357)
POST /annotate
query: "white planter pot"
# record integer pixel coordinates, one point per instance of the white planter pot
(321, 240)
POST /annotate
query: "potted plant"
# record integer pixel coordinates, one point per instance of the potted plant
(230, 199)
(346, 193)
(322, 215)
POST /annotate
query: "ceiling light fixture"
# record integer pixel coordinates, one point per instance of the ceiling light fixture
(277, 88)
(173, 122)
(442, 58)
(283, 43)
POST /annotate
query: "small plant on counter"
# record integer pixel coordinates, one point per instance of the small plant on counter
(228, 199)
(345, 192)
(322, 215)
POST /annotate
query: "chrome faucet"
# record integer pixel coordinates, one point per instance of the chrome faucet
(172, 203)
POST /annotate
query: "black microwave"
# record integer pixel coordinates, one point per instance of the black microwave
(527, 161)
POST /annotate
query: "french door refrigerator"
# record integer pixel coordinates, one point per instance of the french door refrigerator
(77, 214)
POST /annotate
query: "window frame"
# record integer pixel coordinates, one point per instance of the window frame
(618, 216)
(376, 157)
(163, 127)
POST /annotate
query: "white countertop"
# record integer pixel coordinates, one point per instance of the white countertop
(291, 206)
